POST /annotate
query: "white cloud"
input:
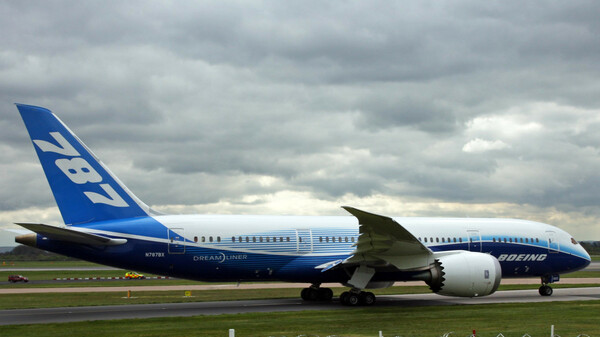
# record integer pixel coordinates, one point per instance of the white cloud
(479, 145)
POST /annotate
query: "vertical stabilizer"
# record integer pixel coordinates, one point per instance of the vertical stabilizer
(84, 188)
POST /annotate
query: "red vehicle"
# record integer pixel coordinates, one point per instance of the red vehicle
(17, 278)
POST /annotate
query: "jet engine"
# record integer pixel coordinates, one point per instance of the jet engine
(465, 274)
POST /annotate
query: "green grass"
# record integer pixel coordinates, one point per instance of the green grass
(48, 264)
(569, 319)
(50, 275)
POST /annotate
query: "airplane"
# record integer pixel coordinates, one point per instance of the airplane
(107, 224)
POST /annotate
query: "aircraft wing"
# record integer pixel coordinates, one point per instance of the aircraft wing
(70, 235)
(382, 242)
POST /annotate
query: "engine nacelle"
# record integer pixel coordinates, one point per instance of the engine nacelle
(465, 274)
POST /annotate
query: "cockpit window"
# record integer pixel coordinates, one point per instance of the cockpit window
(574, 242)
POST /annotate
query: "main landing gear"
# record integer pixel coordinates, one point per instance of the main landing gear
(353, 298)
(315, 293)
(545, 289)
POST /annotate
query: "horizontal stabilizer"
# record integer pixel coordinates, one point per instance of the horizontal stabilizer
(70, 235)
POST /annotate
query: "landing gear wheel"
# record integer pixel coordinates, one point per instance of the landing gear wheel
(325, 294)
(545, 290)
(316, 294)
(343, 297)
(366, 298)
(352, 299)
(304, 294)
(309, 294)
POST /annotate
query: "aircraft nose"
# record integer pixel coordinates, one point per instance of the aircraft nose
(585, 258)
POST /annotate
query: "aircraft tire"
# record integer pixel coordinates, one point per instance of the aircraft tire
(309, 294)
(545, 290)
(325, 294)
(304, 294)
(351, 299)
(366, 298)
(343, 297)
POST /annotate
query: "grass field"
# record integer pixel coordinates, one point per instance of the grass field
(569, 319)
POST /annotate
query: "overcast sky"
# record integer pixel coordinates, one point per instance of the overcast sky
(462, 108)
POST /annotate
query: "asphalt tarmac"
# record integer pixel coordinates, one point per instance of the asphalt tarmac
(74, 314)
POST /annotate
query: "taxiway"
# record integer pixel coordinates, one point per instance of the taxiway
(73, 314)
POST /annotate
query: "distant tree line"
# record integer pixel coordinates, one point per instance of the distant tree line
(26, 253)
(592, 247)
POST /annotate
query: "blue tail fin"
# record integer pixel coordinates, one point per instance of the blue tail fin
(85, 190)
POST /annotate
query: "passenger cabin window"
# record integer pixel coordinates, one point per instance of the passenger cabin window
(195, 239)
(203, 239)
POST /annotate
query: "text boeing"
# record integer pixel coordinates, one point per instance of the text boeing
(522, 257)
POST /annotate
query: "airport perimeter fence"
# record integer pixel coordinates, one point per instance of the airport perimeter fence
(447, 334)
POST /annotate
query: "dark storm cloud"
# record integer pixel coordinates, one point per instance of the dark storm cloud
(194, 103)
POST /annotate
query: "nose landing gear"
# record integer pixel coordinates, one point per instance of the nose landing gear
(545, 289)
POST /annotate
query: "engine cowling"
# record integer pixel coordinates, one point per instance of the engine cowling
(465, 274)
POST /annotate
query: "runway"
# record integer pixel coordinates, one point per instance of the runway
(74, 314)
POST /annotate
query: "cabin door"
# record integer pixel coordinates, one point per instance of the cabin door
(474, 241)
(304, 241)
(176, 241)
